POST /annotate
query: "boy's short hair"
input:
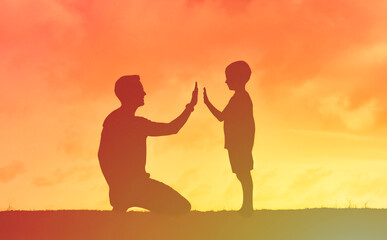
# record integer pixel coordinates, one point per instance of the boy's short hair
(126, 84)
(240, 69)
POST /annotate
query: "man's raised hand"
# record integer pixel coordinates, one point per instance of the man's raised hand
(194, 98)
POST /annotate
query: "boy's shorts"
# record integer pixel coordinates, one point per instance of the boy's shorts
(241, 160)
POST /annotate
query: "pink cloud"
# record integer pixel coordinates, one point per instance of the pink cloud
(10, 171)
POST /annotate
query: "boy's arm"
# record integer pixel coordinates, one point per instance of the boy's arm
(161, 129)
(218, 114)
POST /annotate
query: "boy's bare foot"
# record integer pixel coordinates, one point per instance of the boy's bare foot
(246, 211)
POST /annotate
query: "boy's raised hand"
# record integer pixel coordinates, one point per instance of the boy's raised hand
(205, 97)
(194, 98)
(218, 114)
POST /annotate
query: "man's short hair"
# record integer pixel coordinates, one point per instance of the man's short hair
(127, 84)
(240, 69)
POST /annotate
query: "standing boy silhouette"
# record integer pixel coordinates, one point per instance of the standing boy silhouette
(239, 128)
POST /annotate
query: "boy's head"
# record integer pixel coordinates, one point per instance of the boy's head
(129, 90)
(237, 75)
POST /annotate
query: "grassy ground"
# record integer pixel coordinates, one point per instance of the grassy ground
(310, 224)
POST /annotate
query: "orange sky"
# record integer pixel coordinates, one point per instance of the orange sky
(319, 100)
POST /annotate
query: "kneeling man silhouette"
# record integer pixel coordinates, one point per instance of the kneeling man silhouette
(122, 153)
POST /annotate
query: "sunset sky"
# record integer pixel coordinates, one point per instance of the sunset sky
(318, 85)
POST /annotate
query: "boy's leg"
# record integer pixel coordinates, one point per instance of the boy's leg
(160, 198)
(241, 161)
(247, 186)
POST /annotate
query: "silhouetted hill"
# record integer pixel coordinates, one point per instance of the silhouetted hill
(310, 224)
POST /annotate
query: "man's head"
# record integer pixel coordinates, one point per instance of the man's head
(237, 75)
(130, 91)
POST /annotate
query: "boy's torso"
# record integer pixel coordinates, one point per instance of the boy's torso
(239, 126)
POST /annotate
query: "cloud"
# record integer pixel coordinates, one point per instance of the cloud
(10, 171)
(81, 173)
(363, 184)
(362, 117)
(71, 51)
(231, 6)
(337, 135)
(96, 41)
(57, 177)
(307, 180)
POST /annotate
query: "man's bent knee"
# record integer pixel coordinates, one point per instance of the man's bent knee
(186, 206)
(183, 207)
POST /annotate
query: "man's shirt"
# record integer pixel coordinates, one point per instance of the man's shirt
(122, 151)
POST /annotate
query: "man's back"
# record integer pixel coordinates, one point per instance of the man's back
(122, 151)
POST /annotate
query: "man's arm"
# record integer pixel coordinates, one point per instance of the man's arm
(218, 114)
(161, 129)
